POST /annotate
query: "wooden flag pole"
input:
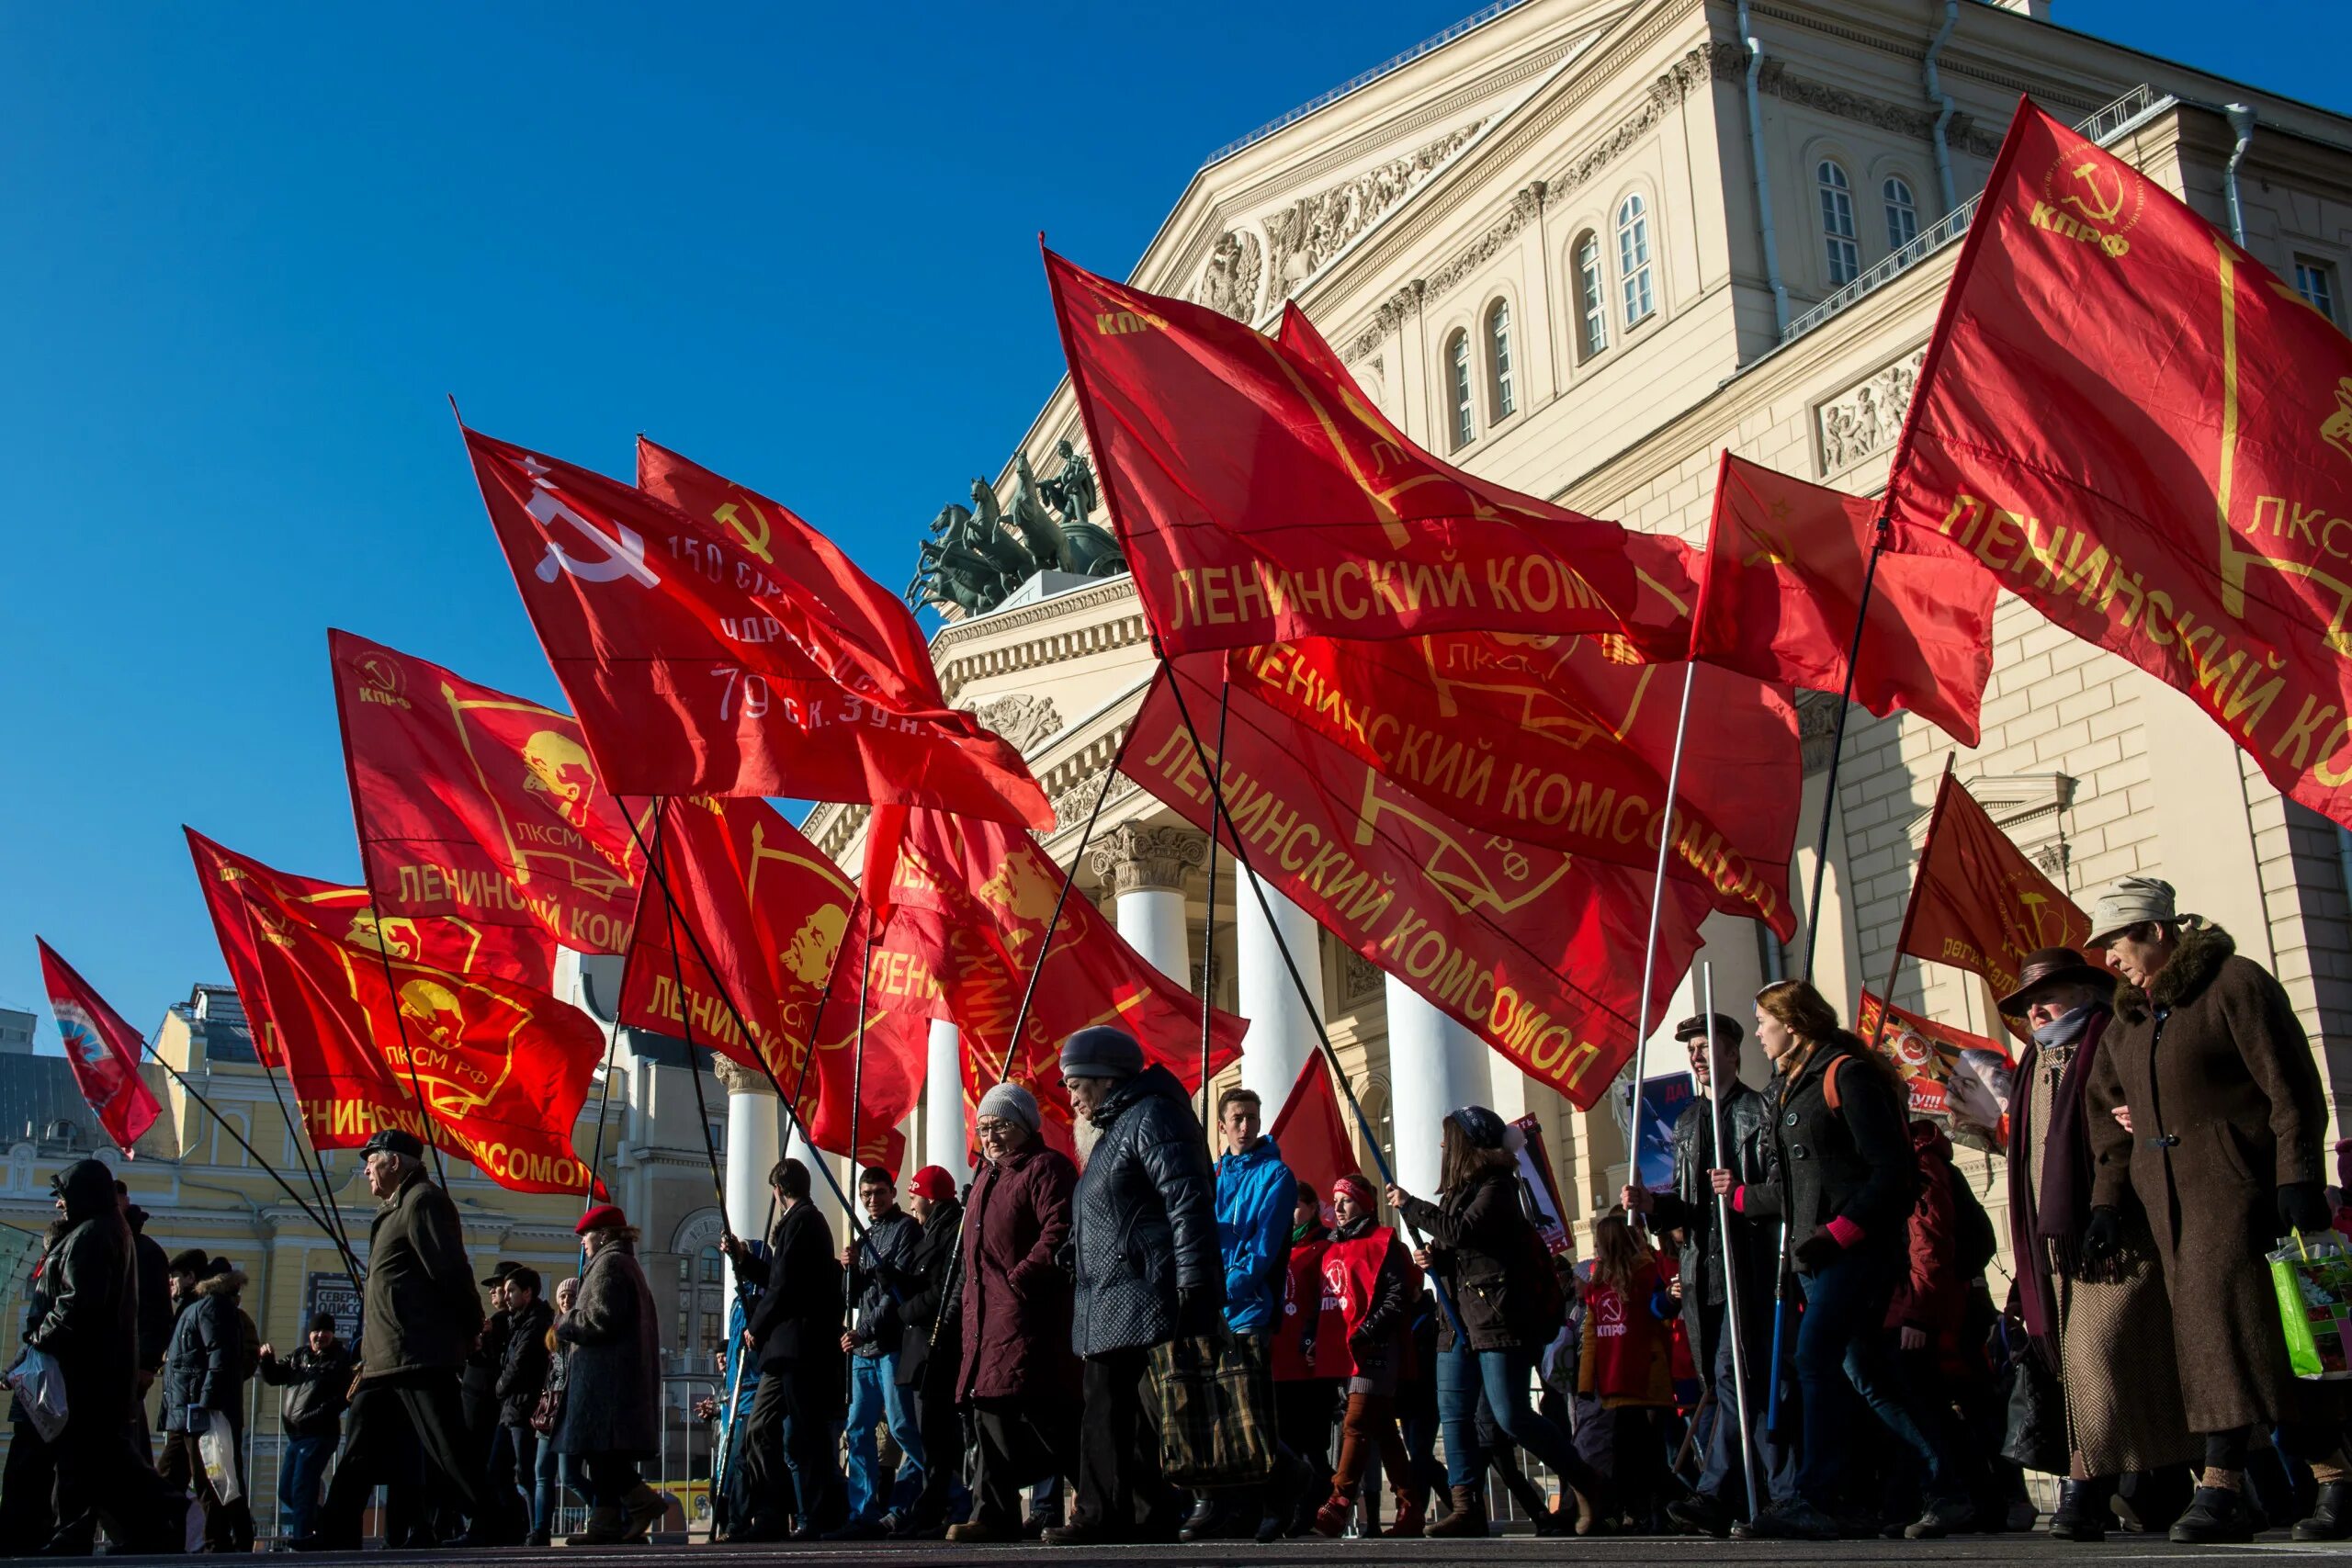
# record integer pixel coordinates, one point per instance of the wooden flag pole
(1649, 943)
(1836, 750)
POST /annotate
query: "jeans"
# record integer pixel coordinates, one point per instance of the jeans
(514, 1460)
(875, 1396)
(1842, 1352)
(1502, 1376)
(548, 1481)
(299, 1479)
(1724, 1477)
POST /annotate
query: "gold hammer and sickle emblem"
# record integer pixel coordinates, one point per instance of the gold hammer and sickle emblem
(757, 542)
(2088, 172)
(1768, 551)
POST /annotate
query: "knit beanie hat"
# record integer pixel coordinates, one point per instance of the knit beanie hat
(1010, 1103)
(1102, 1052)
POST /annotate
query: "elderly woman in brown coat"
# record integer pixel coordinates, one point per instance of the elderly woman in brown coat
(612, 1402)
(2091, 1323)
(1019, 1373)
(2219, 1140)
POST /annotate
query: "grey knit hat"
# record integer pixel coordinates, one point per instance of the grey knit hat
(1102, 1052)
(2132, 901)
(1010, 1103)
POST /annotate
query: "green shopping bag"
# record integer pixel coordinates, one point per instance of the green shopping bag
(2314, 1282)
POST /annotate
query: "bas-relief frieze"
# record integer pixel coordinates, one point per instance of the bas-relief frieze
(1311, 231)
(1020, 718)
(1862, 420)
(1229, 281)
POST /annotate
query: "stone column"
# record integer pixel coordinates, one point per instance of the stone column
(754, 1138)
(1281, 1030)
(1147, 866)
(1435, 1065)
(946, 1139)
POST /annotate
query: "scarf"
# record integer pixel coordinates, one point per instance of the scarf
(2065, 1207)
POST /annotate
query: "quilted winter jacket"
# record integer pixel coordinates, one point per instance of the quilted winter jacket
(1145, 1219)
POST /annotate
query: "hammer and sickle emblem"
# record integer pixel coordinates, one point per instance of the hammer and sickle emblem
(757, 542)
(2099, 209)
(621, 554)
(1768, 551)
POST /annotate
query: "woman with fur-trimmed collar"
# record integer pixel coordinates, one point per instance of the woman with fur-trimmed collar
(2218, 1136)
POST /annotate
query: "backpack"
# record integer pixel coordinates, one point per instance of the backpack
(1972, 1238)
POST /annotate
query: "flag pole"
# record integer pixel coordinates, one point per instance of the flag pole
(857, 1105)
(1911, 904)
(1245, 875)
(1722, 1230)
(612, 1040)
(1649, 943)
(1045, 948)
(1208, 915)
(686, 1022)
(315, 1180)
(1837, 746)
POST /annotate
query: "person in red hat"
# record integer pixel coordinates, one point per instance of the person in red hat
(931, 1343)
(1371, 1279)
(612, 1405)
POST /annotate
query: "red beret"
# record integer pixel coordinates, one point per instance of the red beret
(599, 1217)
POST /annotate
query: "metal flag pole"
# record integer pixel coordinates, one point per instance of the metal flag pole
(1649, 943)
(1837, 746)
(1722, 1230)
(612, 1040)
(1029, 992)
(856, 1105)
(1779, 1324)
(1244, 875)
(1208, 915)
(315, 1180)
(686, 1022)
(1911, 905)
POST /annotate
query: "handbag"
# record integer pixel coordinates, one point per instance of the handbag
(2035, 1436)
(1217, 1402)
(2313, 1283)
(547, 1413)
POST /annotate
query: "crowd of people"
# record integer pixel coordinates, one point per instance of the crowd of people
(1793, 1337)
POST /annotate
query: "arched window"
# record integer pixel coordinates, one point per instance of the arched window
(1592, 304)
(1901, 212)
(1634, 258)
(1457, 388)
(1838, 223)
(1506, 397)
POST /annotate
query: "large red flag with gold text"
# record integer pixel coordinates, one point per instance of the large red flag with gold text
(503, 1068)
(1786, 563)
(2147, 435)
(478, 806)
(1537, 952)
(103, 1052)
(1978, 903)
(700, 662)
(761, 928)
(1260, 495)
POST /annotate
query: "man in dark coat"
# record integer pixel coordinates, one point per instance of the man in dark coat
(84, 1314)
(204, 1383)
(796, 1330)
(419, 1318)
(1018, 1372)
(522, 1376)
(154, 1299)
(929, 1312)
(317, 1380)
(1721, 1498)
(2226, 1117)
(1143, 1249)
(477, 1379)
(872, 1341)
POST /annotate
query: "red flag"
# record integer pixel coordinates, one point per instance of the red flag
(1537, 952)
(1978, 904)
(1313, 1139)
(103, 1052)
(503, 1067)
(765, 918)
(972, 901)
(1260, 495)
(2145, 435)
(1559, 741)
(1948, 1072)
(700, 665)
(474, 804)
(1785, 565)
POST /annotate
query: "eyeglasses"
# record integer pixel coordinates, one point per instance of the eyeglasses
(992, 1127)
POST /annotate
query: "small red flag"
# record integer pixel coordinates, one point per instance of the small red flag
(1978, 903)
(2147, 435)
(701, 664)
(1313, 1139)
(1785, 565)
(1260, 495)
(102, 1050)
(478, 806)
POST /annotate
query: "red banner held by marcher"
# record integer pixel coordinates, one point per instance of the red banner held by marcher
(1978, 903)
(480, 805)
(1537, 952)
(1785, 571)
(701, 664)
(2147, 435)
(1309, 1132)
(1260, 495)
(103, 1052)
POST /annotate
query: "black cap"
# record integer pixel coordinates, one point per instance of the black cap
(498, 1274)
(322, 1322)
(190, 1261)
(1695, 1028)
(392, 1140)
(1481, 1126)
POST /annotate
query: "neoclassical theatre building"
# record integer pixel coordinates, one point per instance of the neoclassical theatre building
(1580, 247)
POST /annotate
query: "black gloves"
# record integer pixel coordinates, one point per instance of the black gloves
(1818, 1251)
(1306, 1349)
(2302, 1206)
(1197, 1312)
(2103, 1237)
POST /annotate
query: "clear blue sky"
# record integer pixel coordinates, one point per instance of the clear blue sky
(250, 248)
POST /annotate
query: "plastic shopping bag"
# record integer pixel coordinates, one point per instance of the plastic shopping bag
(217, 1446)
(39, 1383)
(2314, 1282)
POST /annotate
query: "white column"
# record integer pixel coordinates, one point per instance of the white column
(1435, 1065)
(1145, 866)
(945, 1137)
(754, 1138)
(1281, 1030)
